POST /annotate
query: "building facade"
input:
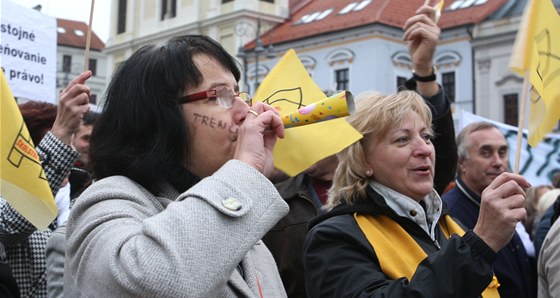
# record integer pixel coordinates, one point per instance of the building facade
(71, 44)
(498, 90)
(230, 22)
(354, 45)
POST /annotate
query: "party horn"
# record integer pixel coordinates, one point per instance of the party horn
(336, 106)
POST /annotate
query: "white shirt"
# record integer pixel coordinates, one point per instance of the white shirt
(62, 200)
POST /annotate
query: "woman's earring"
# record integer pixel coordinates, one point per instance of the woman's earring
(369, 173)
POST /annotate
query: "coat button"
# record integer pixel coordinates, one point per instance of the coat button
(412, 212)
(232, 204)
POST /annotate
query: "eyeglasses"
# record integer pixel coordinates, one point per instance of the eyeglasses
(223, 96)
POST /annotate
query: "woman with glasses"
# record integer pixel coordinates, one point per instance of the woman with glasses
(181, 197)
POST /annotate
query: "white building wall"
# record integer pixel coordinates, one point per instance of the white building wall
(492, 47)
(97, 83)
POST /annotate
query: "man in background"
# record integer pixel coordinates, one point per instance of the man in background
(80, 177)
(482, 156)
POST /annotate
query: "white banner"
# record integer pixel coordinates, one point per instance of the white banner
(538, 164)
(28, 52)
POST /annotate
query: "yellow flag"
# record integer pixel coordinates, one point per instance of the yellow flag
(22, 180)
(537, 51)
(289, 87)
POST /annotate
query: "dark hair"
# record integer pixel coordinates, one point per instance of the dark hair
(38, 117)
(142, 133)
(90, 118)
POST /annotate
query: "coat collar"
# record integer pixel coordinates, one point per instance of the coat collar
(473, 197)
(423, 215)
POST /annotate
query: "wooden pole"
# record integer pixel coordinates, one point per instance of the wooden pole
(88, 37)
(521, 124)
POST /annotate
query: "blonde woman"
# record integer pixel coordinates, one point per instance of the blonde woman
(387, 232)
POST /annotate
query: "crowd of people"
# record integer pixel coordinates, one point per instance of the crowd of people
(155, 202)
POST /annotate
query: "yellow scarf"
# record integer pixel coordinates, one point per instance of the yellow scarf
(388, 238)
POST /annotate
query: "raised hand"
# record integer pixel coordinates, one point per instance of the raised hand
(422, 33)
(73, 104)
(257, 137)
(502, 206)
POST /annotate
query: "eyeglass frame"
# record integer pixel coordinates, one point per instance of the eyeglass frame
(213, 94)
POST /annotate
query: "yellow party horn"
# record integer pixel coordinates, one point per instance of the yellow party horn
(336, 106)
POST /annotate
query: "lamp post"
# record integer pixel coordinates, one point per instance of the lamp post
(241, 30)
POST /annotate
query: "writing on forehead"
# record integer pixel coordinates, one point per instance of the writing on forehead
(213, 122)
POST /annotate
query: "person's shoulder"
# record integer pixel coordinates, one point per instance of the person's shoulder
(292, 187)
(57, 237)
(554, 232)
(113, 187)
(342, 223)
(113, 184)
(451, 197)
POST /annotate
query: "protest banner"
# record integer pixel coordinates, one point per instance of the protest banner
(28, 52)
(537, 164)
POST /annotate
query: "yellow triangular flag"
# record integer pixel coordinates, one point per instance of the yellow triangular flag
(288, 87)
(537, 50)
(23, 183)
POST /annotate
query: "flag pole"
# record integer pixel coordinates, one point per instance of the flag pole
(521, 124)
(88, 37)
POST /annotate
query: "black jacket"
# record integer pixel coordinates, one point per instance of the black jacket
(340, 262)
(285, 239)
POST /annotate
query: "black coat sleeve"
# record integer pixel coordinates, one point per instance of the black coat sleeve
(444, 141)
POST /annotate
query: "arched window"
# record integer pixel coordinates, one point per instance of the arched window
(340, 56)
(309, 63)
(447, 63)
(340, 61)
(403, 68)
(448, 59)
(402, 59)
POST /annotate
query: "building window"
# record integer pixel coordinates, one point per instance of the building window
(511, 109)
(401, 83)
(168, 9)
(269, 1)
(342, 79)
(93, 66)
(226, 1)
(121, 21)
(93, 99)
(448, 82)
(67, 63)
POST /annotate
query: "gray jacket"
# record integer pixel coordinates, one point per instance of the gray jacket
(56, 245)
(549, 263)
(122, 241)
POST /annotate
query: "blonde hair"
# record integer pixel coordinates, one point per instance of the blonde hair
(375, 116)
(547, 200)
(532, 197)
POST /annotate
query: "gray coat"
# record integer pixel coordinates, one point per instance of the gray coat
(56, 245)
(122, 241)
(549, 263)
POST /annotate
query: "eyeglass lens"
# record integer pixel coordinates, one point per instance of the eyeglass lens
(226, 96)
